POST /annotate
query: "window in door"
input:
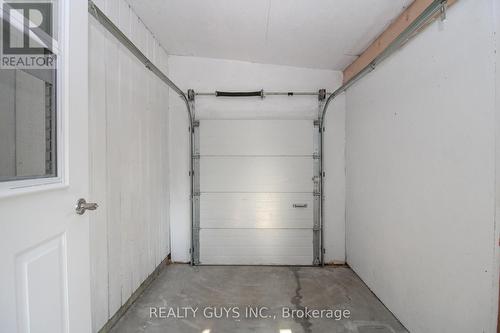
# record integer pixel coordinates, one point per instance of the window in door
(28, 124)
(29, 82)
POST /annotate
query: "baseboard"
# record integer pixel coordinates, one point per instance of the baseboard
(135, 295)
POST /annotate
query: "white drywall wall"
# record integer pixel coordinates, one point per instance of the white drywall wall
(128, 111)
(208, 75)
(495, 310)
(421, 174)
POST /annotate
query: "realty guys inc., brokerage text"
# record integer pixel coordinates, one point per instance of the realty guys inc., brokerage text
(246, 312)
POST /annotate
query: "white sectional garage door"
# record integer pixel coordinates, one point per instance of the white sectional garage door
(256, 192)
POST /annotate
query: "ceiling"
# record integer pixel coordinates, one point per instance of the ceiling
(326, 34)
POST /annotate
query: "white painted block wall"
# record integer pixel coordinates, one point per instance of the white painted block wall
(128, 161)
(207, 75)
(421, 176)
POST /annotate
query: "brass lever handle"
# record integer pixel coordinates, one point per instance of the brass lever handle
(82, 206)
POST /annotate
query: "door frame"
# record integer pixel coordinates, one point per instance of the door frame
(318, 175)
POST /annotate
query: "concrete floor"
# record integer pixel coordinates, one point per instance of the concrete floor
(271, 289)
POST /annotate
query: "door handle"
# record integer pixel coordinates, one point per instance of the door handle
(82, 206)
(299, 205)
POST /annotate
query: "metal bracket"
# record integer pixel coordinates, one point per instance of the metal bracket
(444, 8)
(321, 94)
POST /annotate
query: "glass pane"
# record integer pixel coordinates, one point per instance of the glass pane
(27, 124)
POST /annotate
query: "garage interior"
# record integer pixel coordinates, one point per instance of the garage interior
(281, 154)
(335, 154)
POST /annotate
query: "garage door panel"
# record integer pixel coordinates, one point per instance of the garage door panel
(267, 260)
(256, 246)
(251, 174)
(256, 174)
(256, 137)
(256, 210)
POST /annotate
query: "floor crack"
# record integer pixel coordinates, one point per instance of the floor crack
(297, 300)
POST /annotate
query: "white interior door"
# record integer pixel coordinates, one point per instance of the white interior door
(44, 244)
(256, 192)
